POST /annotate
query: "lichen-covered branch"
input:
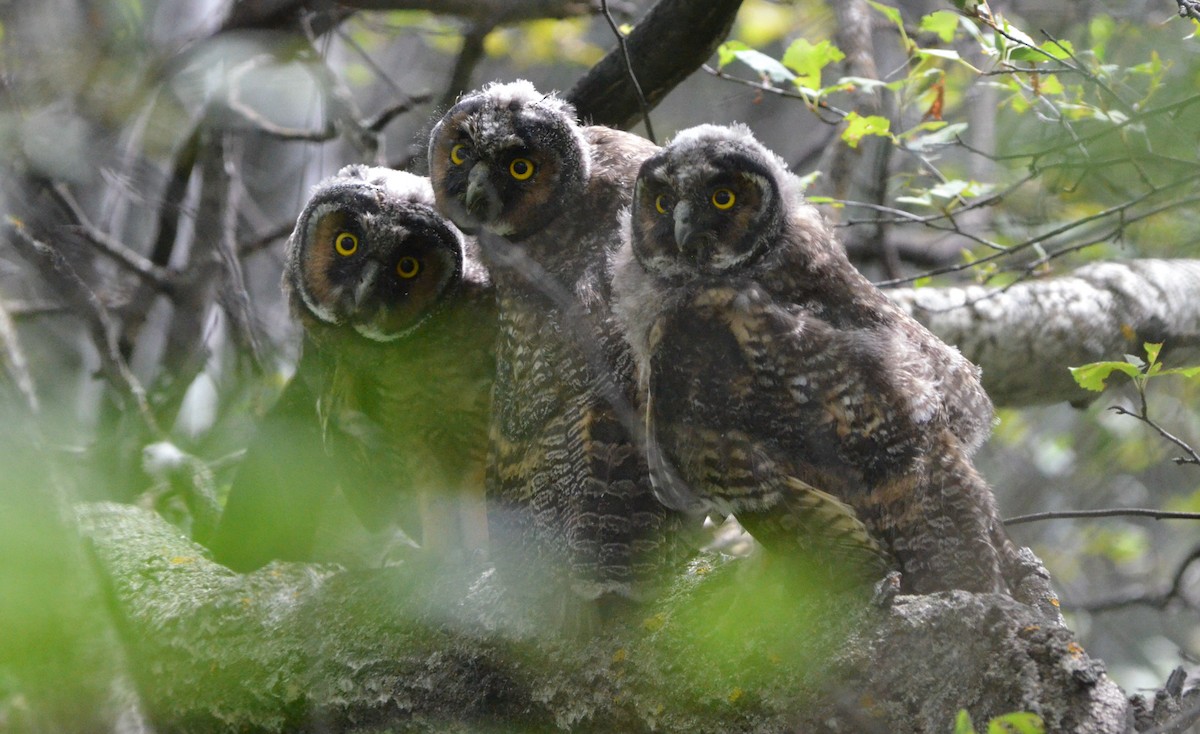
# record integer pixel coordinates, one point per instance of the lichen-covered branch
(729, 647)
(1027, 335)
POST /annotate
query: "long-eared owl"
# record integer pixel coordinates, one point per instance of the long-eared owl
(781, 386)
(391, 395)
(568, 487)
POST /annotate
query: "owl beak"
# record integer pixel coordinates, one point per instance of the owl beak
(479, 190)
(366, 282)
(683, 226)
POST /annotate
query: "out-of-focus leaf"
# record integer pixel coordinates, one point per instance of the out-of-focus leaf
(1020, 722)
(807, 60)
(858, 127)
(727, 52)
(942, 23)
(962, 723)
(760, 23)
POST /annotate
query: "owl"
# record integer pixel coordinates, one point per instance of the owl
(782, 387)
(391, 396)
(570, 504)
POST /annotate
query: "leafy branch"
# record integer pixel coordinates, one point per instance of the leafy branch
(1094, 377)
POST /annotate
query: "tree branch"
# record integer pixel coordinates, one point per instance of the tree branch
(15, 363)
(1026, 335)
(669, 43)
(1157, 600)
(717, 652)
(84, 302)
(1113, 512)
(158, 277)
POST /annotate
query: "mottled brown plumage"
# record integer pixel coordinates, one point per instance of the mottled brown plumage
(568, 490)
(394, 380)
(782, 387)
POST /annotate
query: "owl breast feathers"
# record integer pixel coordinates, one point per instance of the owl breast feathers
(568, 487)
(781, 386)
(390, 399)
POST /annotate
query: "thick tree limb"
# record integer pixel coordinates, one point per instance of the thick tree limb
(665, 47)
(1025, 336)
(299, 646)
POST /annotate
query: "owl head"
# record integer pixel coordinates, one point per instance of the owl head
(506, 159)
(370, 252)
(710, 202)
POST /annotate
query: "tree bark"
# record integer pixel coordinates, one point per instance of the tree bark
(665, 47)
(729, 647)
(1027, 335)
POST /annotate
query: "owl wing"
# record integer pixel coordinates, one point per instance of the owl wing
(745, 440)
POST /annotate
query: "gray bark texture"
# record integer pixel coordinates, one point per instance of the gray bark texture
(1026, 336)
(730, 647)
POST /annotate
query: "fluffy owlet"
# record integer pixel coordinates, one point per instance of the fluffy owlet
(782, 387)
(390, 399)
(568, 488)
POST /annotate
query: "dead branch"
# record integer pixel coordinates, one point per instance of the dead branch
(87, 305)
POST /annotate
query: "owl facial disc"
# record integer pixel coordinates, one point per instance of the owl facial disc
(507, 159)
(372, 254)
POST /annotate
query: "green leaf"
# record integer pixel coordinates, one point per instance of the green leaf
(767, 67)
(942, 23)
(889, 12)
(1188, 372)
(1152, 351)
(922, 282)
(962, 723)
(1092, 376)
(807, 60)
(1059, 50)
(807, 180)
(727, 52)
(1020, 722)
(1050, 85)
(858, 127)
(940, 134)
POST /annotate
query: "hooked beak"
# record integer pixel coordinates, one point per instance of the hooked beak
(683, 228)
(366, 283)
(479, 191)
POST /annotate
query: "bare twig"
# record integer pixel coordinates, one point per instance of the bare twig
(1111, 512)
(265, 240)
(262, 124)
(14, 361)
(100, 323)
(233, 294)
(170, 210)
(637, 87)
(1143, 415)
(469, 57)
(158, 277)
(1157, 600)
(666, 46)
(808, 99)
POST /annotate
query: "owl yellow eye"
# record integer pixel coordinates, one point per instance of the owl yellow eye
(408, 267)
(723, 198)
(456, 154)
(521, 168)
(346, 244)
(661, 204)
